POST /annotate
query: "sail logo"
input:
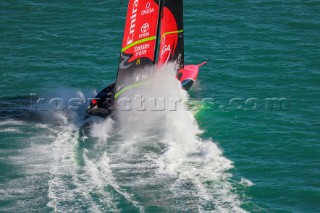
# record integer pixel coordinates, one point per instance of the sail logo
(141, 50)
(133, 19)
(148, 10)
(144, 27)
(144, 30)
(124, 62)
(165, 48)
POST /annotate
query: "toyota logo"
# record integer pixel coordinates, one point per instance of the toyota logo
(145, 28)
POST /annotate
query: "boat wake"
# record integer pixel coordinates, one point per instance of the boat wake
(154, 160)
(157, 161)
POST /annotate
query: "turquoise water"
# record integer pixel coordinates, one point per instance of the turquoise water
(256, 50)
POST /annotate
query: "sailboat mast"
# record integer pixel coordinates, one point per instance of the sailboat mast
(158, 32)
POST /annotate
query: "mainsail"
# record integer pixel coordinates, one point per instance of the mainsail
(139, 44)
(142, 34)
(171, 33)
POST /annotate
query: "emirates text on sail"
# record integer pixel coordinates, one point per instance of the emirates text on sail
(133, 19)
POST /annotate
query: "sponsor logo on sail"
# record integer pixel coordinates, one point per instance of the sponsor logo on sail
(133, 19)
(148, 10)
(145, 28)
(141, 50)
(141, 47)
(124, 62)
(165, 48)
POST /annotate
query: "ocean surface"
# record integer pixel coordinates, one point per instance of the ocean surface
(251, 144)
